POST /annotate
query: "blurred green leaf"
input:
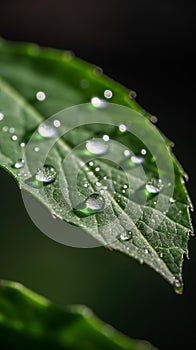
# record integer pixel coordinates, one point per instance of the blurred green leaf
(29, 321)
(66, 81)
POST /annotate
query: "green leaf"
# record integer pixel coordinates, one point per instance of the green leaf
(160, 242)
(28, 320)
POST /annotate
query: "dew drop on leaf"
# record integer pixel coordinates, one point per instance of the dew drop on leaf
(154, 185)
(125, 236)
(46, 174)
(1, 116)
(19, 164)
(97, 146)
(14, 138)
(95, 203)
(47, 131)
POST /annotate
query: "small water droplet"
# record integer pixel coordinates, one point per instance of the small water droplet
(11, 130)
(91, 164)
(154, 185)
(122, 128)
(14, 138)
(19, 164)
(22, 144)
(106, 138)
(40, 96)
(125, 236)
(172, 200)
(57, 123)
(98, 184)
(126, 153)
(146, 251)
(47, 131)
(143, 151)
(36, 149)
(161, 255)
(5, 128)
(95, 203)
(46, 174)
(153, 119)
(132, 95)
(186, 177)
(86, 184)
(125, 186)
(98, 103)
(108, 94)
(97, 169)
(1, 116)
(178, 286)
(97, 146)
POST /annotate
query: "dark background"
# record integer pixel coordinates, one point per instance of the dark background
(149, 47)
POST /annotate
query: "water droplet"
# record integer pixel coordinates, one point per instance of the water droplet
(125, 186)
(137, 160)
(98, 70)
(5, 128)
(11, 130)
(178, 286)
(14, 138)
(106, 138)
(154, 185)
(132, 94)
(98, 103)
(125, 236)
(97, 146)
(98, 184)
(122, 127)
(19, 164)
(143, 151)
(172, 200)
(97, 169)
(47, 131)
(95, 203)
(46, 174)
(108, 94)
(146, 251)
(22, 144)
(161, 255)
(126, 153)
(56, 123)
(36, 149)
(186, 177)
(1, 116)
(40, 96)
(153, 119)
(90, 163)
(86, 184)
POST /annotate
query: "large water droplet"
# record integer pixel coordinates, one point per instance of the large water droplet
(47, 131)
(95, 203)
(125, 236)
(98, 103)
(97, 146)
(154, 185)
(19, 164)
(46, 174)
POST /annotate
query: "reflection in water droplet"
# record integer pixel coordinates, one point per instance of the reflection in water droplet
(108, 94)
(98, 103)
(97, 146)
(47, 131)
(46, 174)
(40, 96)
(1, 116)
(154, 185)
(122, 127)
(14, 138)
(95, 203)
(125, 236)
(19, 164)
